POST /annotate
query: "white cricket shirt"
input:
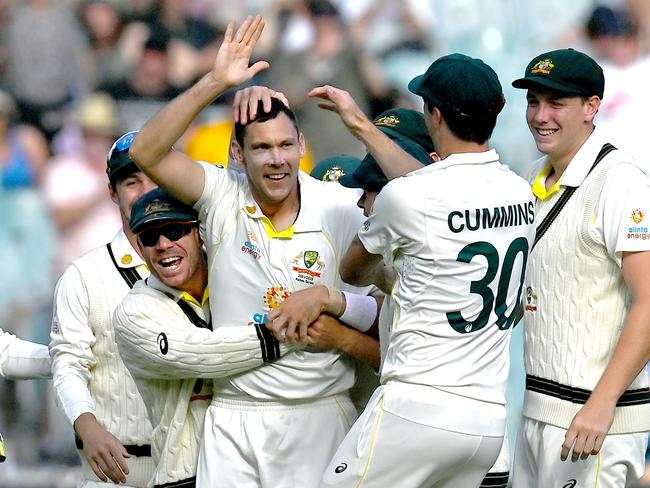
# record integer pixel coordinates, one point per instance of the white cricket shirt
(459, 232)
(253, 268)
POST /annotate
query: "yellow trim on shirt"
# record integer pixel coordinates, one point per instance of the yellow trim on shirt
(274, 234)
(539, 188)
(189, 298)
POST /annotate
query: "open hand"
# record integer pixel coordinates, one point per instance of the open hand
(232, 60)
(343, 104)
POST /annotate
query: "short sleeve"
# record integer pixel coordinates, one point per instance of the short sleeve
(625, 207)
(397, 222)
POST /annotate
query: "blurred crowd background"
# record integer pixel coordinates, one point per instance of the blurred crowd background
(74, 74)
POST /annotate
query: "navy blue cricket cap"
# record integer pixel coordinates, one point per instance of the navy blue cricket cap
(464, 86)
(369, 176)
(334, 168)
(565, 71)
(119, 160)
(158, 207)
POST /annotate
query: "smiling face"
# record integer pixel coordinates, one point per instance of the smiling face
(177, 263)
(560, 124)
(271, 153)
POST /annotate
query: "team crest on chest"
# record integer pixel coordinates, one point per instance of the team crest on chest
(308, 265)
(531, 300)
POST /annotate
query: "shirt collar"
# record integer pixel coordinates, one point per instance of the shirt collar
(576, 171)
(176, 294)
(125, 255)
(455, 159)
(579, 166)
(309, 216)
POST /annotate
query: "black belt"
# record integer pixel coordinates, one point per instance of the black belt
(133, 450)
(496, 480)
(186, 483)
(580, 395)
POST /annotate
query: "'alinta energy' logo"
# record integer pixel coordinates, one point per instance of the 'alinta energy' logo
(637, 216)
(635, 231)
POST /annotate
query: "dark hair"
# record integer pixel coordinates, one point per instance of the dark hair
(467, 127)
(277, 107)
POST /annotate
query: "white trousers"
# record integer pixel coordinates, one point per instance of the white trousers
(620, 463)
(383, 449)
(271, 444)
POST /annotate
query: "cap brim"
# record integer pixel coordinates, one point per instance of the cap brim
(350, 181)
(542, 82)
(415, 84)
(158, 221)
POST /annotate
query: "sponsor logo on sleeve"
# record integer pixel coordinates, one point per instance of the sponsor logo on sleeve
(637, 231)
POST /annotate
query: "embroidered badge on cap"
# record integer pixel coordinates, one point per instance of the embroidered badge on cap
(543, 66)
(334, 174)
(388, 121)
(157, 206)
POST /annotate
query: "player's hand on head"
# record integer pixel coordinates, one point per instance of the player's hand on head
(588, 430)
(343, 104)
(104, 452)
(292, 318)
(231, 65)
(244, 107)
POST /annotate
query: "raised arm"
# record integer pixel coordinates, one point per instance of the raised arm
(152, 149)
(392, 159)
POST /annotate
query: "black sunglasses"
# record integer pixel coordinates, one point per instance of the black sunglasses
(173, 232)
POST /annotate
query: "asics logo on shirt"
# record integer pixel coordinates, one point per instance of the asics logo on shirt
(162, 343)
(340, 468)
(570, 483)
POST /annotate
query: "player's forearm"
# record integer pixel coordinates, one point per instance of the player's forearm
(630, 356)
(182, 352)
(392, 159)
(361, 346)
(162, 131)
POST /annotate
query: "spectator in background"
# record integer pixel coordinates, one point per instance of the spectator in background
(147, 88)
(328, 60)
(614, 37)
(26, 252)
(75, 184)
(45, 35)
(115, 43)
(193, 42)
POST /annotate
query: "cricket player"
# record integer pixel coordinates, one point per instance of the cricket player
(164, 335)
(268, 232)
(92, 386)
(587, 305)
(458, 233)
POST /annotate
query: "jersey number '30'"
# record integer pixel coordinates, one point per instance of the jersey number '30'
(482, 287)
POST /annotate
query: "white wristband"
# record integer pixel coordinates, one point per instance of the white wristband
(360, 311)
